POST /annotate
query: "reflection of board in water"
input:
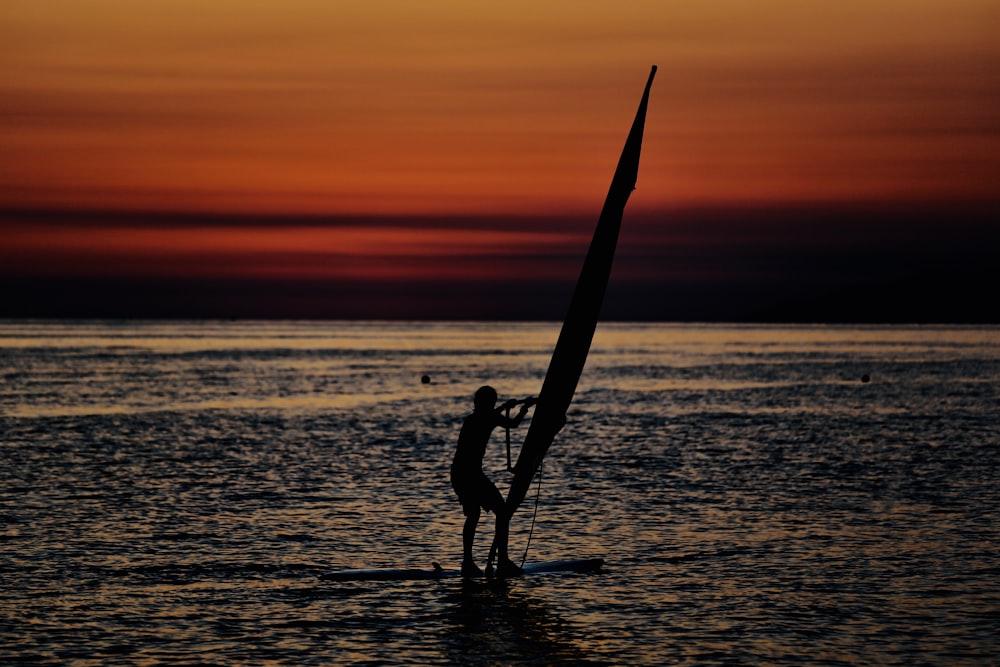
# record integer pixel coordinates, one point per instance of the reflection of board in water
(580, 566)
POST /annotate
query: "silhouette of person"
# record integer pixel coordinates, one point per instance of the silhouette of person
(473, 487)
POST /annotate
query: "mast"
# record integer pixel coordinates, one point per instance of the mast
(570, 353)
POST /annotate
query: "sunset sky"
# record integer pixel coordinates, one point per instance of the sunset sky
(449, 159)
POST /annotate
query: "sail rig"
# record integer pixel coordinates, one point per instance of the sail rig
(577, 333)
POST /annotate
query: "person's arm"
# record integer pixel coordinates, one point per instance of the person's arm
(512, 422)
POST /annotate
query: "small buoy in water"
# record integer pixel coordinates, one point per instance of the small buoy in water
(865, 378)
(425, 379)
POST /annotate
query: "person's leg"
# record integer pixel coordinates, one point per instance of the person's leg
(469, 531)
(497, 505)
(505, 566)
(472, 515)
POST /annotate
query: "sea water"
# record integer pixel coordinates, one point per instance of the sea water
(171, 492)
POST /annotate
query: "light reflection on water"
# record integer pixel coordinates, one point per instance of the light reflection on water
(171, 492)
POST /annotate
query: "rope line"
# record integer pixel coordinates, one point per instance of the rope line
(534, 514)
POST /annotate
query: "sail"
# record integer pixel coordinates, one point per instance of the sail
(570, 353)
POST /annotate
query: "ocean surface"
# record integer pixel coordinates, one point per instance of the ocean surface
(171, 492)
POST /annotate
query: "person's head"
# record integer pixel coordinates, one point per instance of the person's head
(486, 398)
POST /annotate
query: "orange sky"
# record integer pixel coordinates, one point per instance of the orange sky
(369, 130)
(436, 106)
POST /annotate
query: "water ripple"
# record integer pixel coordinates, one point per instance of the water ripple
(171, 492)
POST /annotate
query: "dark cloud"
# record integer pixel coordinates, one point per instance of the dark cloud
(833, 263)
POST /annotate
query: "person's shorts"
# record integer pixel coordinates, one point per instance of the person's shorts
(475, 490)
